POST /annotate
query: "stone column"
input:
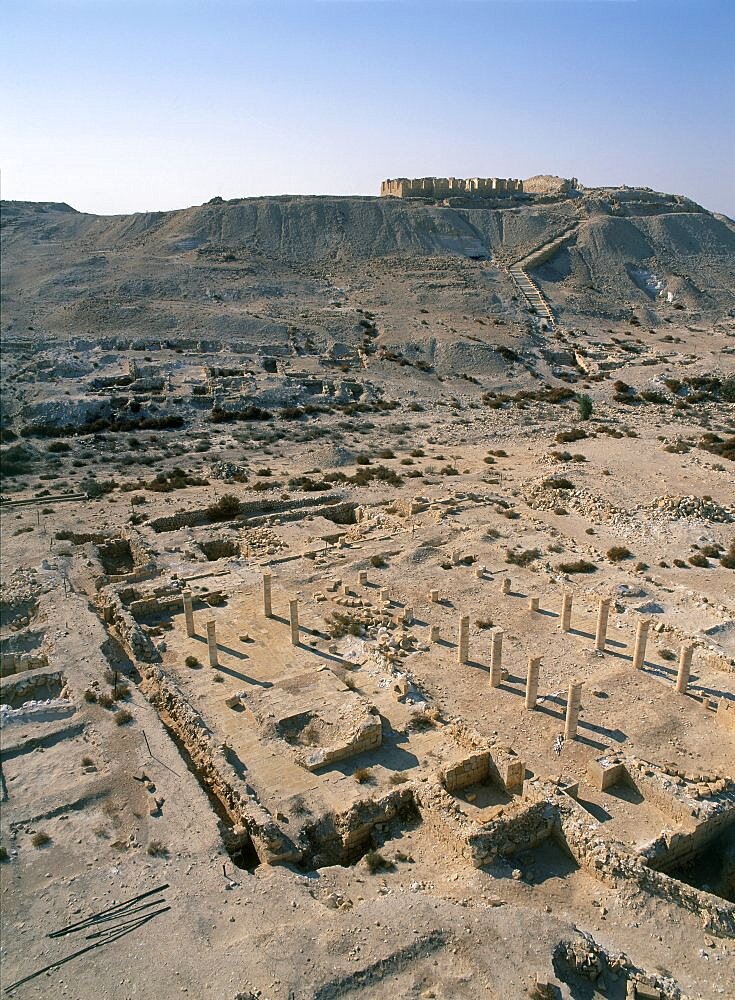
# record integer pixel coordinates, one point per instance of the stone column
(533, 603)
(383, 595)
(566, 611)
(641, 637)
(455, 556)
(188, 612)
(496, 657)
(434, 632)
(480, 572)
(362, 577)
(212, 644)
(293, 609)
(463, 646)
(685, 666)
(407, 615)
(434, 596)
(602, 616)
(574, 700)
(534, 663)
(505, 585)
(267, 609)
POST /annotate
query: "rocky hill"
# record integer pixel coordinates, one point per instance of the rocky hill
(254, 267)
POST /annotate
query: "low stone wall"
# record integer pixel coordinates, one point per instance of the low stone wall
(30, 687)
(368, 736)
(16, 663)
(509, 829)
(248, 509)
(246, 814)
(608, 862)
(339, 838)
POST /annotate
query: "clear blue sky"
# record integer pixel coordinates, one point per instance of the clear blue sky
(134, 105)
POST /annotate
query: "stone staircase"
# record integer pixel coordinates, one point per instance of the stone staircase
(531, 293)
(518, 272)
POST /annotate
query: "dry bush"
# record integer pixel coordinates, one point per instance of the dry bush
(363, 775)
(579, 566)
(617, 553)
(40, 838)
(157, 850)
(376, 862)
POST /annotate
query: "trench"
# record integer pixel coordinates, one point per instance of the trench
(239, 847)
(712, 868)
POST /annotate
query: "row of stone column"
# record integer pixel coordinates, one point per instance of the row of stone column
(685, 656)
(603, 614)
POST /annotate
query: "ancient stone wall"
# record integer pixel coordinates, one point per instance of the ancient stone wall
(549, 184)
(248, 509)
(245, 812)
(445, 187)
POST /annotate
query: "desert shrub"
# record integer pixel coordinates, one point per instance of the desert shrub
(90, 695)
(699, 559)
(223, 509)
(219, 416)
(378, 562)
(87, 761)
(617, 553)
(557, 483)
(680, 564)
(521, 557)
(40, 838)
(386, 453)
(157, 850)
(218, 678)
(564, 437)
(584, 407)
(191, 661)
(448, 470)
(667, 654)
(105, 700)
(363, 775)
(397, 777)
(376, 862)
(579, 566)
(362, 460)
(123, 716)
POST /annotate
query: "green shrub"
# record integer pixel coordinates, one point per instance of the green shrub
(584, 407)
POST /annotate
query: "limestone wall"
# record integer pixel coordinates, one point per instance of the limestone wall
(444, 187)
(249, 509)
(246, 814)
(549, 184)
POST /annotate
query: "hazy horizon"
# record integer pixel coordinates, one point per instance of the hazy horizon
(122, 106)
